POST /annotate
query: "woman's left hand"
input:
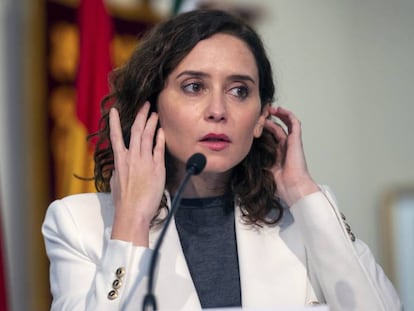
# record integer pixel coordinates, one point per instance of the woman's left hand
(290, 171)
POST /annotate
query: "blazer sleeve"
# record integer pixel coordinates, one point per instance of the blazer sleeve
(81, 280)
(346, 270)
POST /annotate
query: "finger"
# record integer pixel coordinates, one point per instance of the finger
(147, 140)
(115, 133)
(159, 149)
(281, 137)
(138, 127)
(112, 181)
(275, 117)
(294, 143)
(276, 129)
(288, 118)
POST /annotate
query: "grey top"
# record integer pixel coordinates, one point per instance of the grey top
(207, 234)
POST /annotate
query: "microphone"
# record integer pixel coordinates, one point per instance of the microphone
(194, 166)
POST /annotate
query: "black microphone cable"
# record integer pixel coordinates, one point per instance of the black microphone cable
(194, 166)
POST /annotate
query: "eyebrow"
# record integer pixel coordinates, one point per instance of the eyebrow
(201, 74)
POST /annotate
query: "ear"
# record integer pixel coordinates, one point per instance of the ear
(258, 129)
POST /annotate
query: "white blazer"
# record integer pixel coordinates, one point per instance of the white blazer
(308, 257)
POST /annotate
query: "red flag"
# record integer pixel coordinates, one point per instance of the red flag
(95, 34)
(95, 61)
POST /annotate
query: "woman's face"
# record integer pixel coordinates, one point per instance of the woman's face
(211, 104)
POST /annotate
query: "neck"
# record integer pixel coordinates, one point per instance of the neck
(205, 185)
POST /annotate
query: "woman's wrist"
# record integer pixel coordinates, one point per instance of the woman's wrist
(294, 194)
(131, 228)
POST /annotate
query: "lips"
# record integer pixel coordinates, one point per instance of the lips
(215, 142)
(216, 137)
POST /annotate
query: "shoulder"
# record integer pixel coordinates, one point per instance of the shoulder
(81, 211)
(84, 204)
(85, 199)
(79, 222)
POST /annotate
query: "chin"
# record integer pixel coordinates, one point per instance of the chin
(219, 167)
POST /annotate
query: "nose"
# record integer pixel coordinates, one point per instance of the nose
(216, 110)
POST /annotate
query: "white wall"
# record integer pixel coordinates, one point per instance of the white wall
(346, 69)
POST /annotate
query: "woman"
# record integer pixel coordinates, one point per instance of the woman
(253, 229)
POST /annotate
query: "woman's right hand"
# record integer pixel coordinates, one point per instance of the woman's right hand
(138, 179)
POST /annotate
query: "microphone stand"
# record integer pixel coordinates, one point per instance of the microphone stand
(194, 166)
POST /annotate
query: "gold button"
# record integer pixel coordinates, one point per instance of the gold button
(116, 284)
(113, 294)
(120, 272)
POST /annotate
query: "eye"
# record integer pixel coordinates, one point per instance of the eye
(193, 87)
(240, 91)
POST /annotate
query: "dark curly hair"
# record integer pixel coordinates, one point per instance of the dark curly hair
(144, 77)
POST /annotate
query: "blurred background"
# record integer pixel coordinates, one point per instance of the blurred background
(344, 67)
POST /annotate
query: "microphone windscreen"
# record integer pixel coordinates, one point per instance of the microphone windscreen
(196, 163)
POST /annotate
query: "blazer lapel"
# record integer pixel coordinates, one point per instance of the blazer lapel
(272, 263)
(174, 287)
